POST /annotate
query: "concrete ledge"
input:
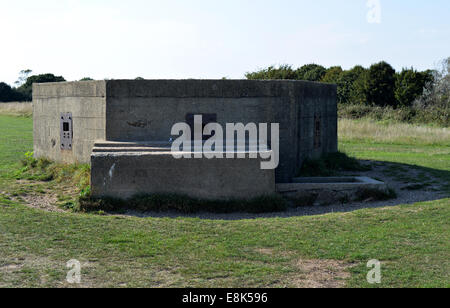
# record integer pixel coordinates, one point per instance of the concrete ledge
(69, 89)
(328, 190)
(329, 183)
(215, 88)
(126, 174)
(164, 146)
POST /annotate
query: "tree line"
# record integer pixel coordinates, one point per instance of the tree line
(22, 92)
(378, 85)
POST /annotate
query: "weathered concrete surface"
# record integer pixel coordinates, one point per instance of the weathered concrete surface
(147, 110)
(130, 110)
(87, 103)
(129, 172)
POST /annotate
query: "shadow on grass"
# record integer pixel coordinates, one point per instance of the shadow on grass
(416, 177)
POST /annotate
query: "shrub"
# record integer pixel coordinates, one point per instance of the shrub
(409, 85)
(379, 85)
(311, 72)
(273, 73)
(333, 75)
(350, 87)
(28, 160)
(437, 92)
(416, 114)
(8, 94)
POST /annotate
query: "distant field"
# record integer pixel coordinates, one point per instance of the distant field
(332, 250)
(366, 131)
(17, 109)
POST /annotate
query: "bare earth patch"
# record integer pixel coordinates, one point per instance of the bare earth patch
(265, 251)
(271, 252)
(42, 195)
(10, 268)
(321, 274)
(46, 202)
(166, 279)
(14, 269)
(315, 273)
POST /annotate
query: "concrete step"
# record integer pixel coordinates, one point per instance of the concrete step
(130, 147)
(123, 149)
(117, 144)
(156, 146)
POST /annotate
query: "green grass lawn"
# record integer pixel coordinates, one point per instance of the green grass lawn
(16, 138)
(411, 241)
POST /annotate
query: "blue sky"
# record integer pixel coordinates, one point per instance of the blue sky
(213, 39)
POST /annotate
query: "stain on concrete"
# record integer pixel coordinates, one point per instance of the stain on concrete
(111, 171)
(138, 124)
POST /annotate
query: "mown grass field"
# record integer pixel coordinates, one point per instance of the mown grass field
(411, 241)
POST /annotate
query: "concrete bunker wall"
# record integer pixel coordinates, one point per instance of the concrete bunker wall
(318, 121)
(85, 101)
(129, 110)
(306, 111)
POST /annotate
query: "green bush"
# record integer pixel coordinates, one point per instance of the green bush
(8, 94)
(273, 73)
(311, 72)
(409, 85)
(433, 114)
(379, 85)
(350, 86)
(333, 75)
